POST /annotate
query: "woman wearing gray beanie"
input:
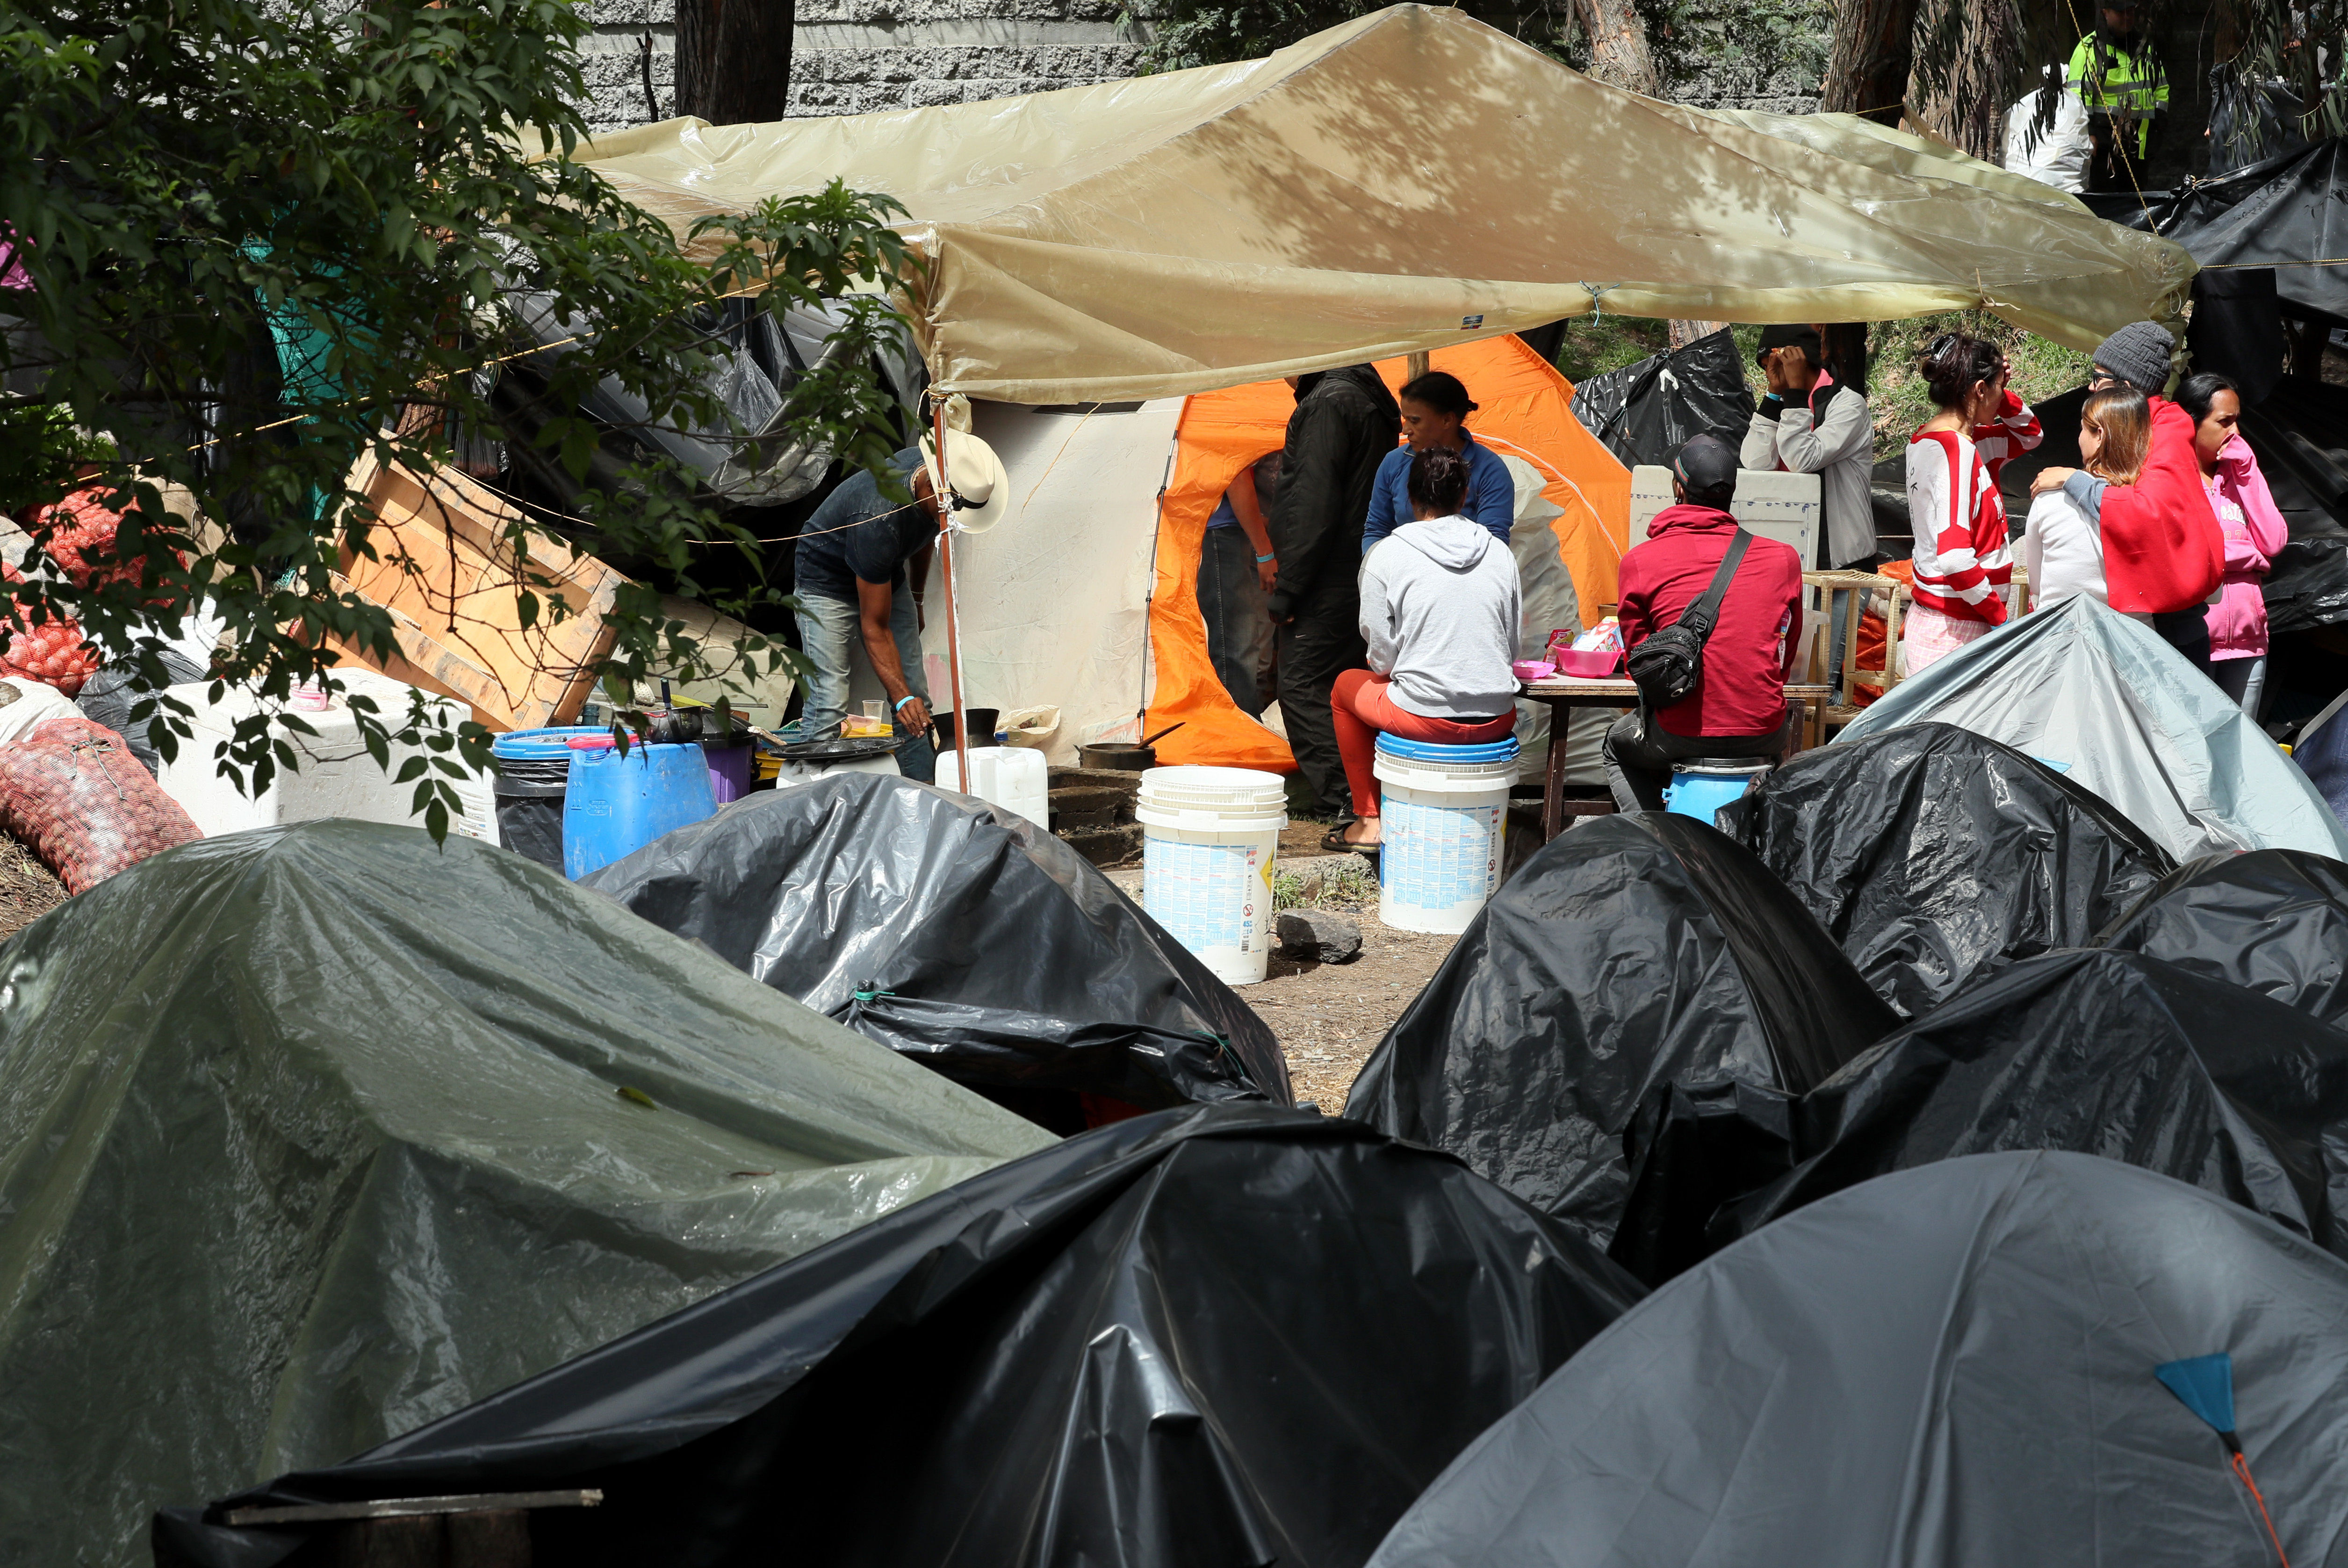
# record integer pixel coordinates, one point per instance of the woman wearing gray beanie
(2164, 553)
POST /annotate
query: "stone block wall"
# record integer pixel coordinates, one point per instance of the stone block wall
(860, 57)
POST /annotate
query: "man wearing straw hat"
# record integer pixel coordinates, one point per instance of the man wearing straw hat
(861, 562)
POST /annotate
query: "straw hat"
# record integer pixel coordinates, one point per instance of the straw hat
(982, 490)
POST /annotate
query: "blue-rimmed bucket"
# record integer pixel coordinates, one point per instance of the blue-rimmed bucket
(616, 805)
(1699, 788)
(533, 771)
(1443, 814)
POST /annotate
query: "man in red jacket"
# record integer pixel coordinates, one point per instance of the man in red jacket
(1738, 706)
(2164, 553)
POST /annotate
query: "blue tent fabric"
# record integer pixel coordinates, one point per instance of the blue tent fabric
(2102, 700)
(1947, 1367)
(2205, 1385)
(2321, 754)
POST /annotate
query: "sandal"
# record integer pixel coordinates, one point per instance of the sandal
(1336, 843)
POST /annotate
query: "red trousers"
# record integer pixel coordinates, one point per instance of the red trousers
(1362, 708)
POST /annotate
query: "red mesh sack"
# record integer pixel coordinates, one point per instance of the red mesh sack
(52, 653)
(72, 791)
(82, 545)
(83, 542)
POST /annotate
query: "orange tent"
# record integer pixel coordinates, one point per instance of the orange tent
(1525, 409)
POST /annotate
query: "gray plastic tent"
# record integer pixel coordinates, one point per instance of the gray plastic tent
(2104, 701)
(309, 1136)
(1979, 1364)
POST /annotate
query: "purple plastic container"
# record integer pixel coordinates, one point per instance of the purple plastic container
(729, 770)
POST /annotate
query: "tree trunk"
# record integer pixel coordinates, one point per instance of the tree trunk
(1874, 48)
(734, 59)
(1618, 54)
(1684, 333)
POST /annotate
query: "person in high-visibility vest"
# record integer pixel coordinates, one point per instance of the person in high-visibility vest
(2119, 80)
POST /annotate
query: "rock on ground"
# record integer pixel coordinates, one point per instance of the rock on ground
(1319, 935)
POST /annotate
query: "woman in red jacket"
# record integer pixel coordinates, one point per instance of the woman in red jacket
(2164, 554)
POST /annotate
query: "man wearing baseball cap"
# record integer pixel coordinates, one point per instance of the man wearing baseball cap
(2164, 552)
(1808, 422)
(1738, 705)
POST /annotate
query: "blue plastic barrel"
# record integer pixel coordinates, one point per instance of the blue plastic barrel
(1699, 789)
(615, 805)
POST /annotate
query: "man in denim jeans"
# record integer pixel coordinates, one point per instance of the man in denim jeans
(861, 561)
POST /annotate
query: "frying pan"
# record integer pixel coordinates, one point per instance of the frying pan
(1126, 759)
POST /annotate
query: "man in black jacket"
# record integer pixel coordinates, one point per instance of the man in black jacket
(1345, 422)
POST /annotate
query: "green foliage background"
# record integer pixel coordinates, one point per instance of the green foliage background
(376, 183)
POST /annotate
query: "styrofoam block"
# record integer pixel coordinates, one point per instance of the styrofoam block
(337, 779)
(1777, 505)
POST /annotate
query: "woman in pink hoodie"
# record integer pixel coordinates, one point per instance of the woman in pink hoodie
(2254, 533)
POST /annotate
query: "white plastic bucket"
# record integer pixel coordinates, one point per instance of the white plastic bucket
(1442, 823)
(1210, 835)
(1012, 777)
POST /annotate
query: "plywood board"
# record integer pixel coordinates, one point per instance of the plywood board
(445, 566)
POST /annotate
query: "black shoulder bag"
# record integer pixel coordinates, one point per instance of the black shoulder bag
(1667, 666)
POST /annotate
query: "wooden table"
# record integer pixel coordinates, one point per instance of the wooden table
(1562, 694)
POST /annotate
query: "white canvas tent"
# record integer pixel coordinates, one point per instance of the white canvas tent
(1056, 598)
(1403, 182)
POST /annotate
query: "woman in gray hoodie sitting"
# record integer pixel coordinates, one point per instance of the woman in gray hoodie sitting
(1439, 610)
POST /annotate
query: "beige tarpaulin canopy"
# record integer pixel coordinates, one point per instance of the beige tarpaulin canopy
(1394, 185)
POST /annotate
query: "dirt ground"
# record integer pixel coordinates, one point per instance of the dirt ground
(28, 889)
(1328, 1017)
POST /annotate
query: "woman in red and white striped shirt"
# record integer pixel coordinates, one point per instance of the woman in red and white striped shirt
(1961, 557)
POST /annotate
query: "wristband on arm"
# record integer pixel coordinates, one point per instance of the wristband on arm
(901, 702)
(1262, 560)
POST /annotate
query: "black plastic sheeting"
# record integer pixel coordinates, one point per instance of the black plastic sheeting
(1632, 951)
(2300, 436)
(1932, 855)
(2272, 921)
(2099, 1052)
(2279, 212)
(1953, 1367)
(1645, 413)
(1229, 1334)
(106, 698)
(965, 937)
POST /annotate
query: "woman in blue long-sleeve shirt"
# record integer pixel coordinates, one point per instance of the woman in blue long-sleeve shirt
(1435, 410)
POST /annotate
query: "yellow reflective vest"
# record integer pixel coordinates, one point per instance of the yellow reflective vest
(2128, 85)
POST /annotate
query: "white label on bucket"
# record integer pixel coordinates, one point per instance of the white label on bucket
(1438, 856)
(1206, 894)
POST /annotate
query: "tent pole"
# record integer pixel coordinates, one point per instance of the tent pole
(953, 620)
(1415, 366)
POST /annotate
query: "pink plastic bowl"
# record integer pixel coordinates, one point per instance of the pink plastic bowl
(1595, 664)
(1533, 669)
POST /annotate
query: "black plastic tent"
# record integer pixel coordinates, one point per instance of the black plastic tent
(1969, 1366)
(1634, 951)
(963, 937)
(1645, 413)
(2274, 921)
(1933, 854)
(2096, 1051)
(1220, 1335)
(311, 1134)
